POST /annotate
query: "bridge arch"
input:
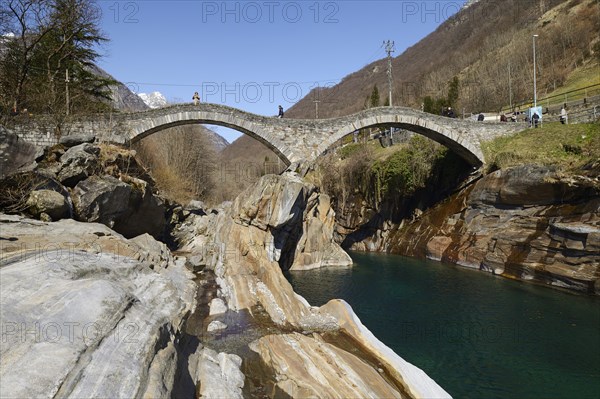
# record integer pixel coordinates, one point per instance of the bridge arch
(151, 122)
(454, 134)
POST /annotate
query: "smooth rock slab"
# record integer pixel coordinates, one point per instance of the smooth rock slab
(308, 367)
(219, 375)
(84, 323)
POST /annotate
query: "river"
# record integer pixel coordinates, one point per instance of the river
(475, 334)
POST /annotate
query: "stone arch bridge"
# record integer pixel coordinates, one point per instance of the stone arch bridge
(294, 140)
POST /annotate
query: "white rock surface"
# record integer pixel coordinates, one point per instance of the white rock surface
(216, 325)
(83, 314)
(217, 306)
(219, 375)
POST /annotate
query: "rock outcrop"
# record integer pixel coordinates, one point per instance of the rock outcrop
(115, 316)
(98, 183)
(266, 230)
(104, 312)
(260, 236)
(529, 223)
(15, 153)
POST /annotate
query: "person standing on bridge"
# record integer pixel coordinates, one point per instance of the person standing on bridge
(280, 115)
(196, 98)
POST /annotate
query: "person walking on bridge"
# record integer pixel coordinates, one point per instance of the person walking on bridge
(196, 98)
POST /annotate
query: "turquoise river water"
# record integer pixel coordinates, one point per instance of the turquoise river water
(475, 334)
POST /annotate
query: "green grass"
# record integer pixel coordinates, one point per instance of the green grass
(566, 146)
(579, 79)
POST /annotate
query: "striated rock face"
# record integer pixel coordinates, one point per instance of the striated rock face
(102, 311)
(266, 230)
(315, 366)
(259, 236)
(527, 222)
(315, 248)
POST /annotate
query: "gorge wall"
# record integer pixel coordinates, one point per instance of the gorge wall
(530, 223)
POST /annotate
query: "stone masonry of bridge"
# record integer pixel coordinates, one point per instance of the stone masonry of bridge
(294, 140)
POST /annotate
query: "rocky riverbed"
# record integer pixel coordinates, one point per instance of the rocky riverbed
(97, 307)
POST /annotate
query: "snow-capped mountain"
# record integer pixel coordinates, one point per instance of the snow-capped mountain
(469, 3)
(154, 99)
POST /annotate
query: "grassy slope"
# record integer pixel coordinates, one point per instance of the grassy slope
(587, 75)
(567, 146)
(578, 80)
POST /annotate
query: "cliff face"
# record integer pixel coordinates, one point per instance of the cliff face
(528, 222)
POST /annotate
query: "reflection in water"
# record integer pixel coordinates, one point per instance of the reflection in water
(477, 335)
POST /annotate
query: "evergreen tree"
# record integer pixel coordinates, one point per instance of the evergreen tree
(57, 36)
(453, 92)
(374, 100)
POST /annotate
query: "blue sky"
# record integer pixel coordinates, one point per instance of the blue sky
(255, 55)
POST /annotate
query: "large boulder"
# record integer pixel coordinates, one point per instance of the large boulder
(77, 163)
(76, 139)
(129, 208)
(49, 202)
(15, 153)
(101, 199)
(145, 212)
